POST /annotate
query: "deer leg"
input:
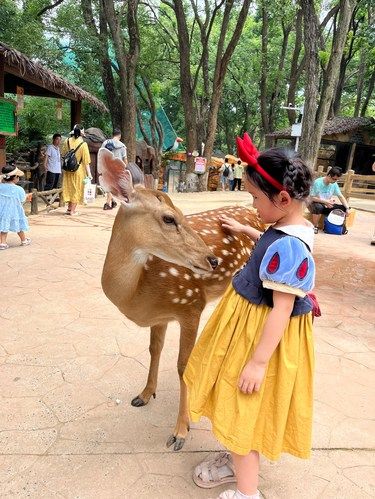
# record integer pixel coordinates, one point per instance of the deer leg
(157, 337)
(187, 340)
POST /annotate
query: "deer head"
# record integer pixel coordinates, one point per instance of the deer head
(149, 223)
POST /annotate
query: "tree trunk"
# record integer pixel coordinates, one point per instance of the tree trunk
(264, 71)
(132, 59)
(360, 81)
(311, 33)
(310, 143)
(221, 66)
(370, 89)
(101, 53)
(295, 69)
(278, 79)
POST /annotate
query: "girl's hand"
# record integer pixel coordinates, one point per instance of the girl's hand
(251, 377)
(29, 196)
(231, 224)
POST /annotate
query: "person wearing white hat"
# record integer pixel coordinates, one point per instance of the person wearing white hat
(73, 181)
(12, 215)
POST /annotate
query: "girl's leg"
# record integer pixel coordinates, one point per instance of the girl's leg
(3, 237)
(22, 236)
(247, 472)
(73, 207)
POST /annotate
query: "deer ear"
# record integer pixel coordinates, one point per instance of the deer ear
(113, 176)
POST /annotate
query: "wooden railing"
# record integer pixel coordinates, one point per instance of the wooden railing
(354, 185)
(49, 197)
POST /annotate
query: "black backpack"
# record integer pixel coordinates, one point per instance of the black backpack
(110, 145)
(70, 163)
(226, 171)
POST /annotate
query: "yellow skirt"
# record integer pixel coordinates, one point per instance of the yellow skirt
(276, 419)
(73, 185)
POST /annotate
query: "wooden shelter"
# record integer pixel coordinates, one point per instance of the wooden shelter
(346, 142)
(17, 70)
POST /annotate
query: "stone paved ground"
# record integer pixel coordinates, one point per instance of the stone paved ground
(67, 354)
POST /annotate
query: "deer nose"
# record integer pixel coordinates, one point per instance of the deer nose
(213, 261)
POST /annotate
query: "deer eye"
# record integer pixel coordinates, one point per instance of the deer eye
(167, 219)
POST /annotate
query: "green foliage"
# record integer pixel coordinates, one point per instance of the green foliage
(62, 42)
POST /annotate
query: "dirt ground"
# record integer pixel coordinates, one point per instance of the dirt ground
(70, 363)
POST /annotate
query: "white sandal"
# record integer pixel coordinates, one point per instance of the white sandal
(4, 246)
(206, 474)
(26, 242)
(227, 494)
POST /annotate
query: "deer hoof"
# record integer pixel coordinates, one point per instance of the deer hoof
(177, 441)
(138, 402)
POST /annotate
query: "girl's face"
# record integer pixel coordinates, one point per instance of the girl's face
(270, 211)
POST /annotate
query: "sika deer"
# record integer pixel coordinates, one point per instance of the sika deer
(161, 266)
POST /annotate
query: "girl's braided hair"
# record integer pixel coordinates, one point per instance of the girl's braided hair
(285, 166)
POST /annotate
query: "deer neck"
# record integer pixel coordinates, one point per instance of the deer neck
(124, 263)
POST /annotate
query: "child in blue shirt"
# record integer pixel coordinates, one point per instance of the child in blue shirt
(12, 215)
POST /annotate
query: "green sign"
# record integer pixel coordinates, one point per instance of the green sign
(8, 120)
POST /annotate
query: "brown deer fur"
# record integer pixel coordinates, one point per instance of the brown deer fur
(161, 266)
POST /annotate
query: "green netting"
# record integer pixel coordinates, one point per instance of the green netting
(169, 133)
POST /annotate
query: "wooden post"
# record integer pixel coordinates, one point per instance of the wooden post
(351, 157)
(34, 202)
(75, 112)
(348, 184)
(2, 89)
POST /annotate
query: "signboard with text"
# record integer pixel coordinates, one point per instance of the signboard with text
(200, 164)
(8, 119)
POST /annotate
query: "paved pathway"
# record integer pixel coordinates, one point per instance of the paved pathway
(70, 364)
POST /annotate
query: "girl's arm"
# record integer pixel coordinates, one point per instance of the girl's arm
(236, 227)
(253, 373)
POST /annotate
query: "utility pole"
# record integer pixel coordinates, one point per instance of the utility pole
(297, 126)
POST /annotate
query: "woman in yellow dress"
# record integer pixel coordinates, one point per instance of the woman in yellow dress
(251, 371)
(73, 184)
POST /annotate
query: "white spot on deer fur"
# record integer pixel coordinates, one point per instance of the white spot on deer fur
(162, 274)
(221, 278)
(150, 258)
(173, 271)
(241, 242)
(222, 269)
(228, 273)
(235, 238)
(183, 301)
(197, 276)
(171, 292)
(226, 240)
(231, 265)
(189, 292)
(181, 287)
(140, 256)
(146, 267)
(187, 277)
(235, 262)
(214, 231)
(225, 252)
(176, 300)
(196, 290)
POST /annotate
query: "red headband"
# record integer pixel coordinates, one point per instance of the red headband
(248, 153)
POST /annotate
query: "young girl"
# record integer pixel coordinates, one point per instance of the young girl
(12, 216)
(251, 371)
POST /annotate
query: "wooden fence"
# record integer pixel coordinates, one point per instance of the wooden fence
(49, 197)
(353, 185)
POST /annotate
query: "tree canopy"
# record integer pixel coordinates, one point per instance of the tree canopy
(217, 67)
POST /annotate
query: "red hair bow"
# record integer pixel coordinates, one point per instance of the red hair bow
(248, 153)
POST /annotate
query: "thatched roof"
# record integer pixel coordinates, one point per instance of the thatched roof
(21, 67)
(332, 127)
